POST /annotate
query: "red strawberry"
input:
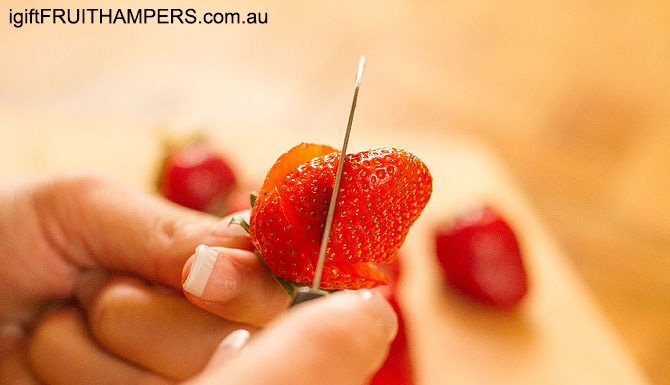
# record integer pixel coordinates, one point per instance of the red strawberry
(382, 193)
(197, 177)
(397, 369)
(480, 256)
(392, 273)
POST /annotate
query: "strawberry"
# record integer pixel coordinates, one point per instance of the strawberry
(480, 256)
(197, 177)
(397, 369)
(382, 193)
(392, 273)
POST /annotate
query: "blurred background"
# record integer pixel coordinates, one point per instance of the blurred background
(572, 96)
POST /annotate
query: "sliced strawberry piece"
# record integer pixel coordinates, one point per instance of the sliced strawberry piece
(302, 153)
(391, 271)
(359, 275)
(480, 256)
(397, 369)
(382, 193)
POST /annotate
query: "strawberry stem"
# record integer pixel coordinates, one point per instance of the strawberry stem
(238, 220)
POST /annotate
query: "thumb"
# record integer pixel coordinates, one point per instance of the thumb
(341, 339)
(97, 223)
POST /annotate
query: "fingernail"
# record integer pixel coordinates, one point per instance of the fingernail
(229, 347)
(203, 264)
(235, 341)
(214, 276)
(387, 317)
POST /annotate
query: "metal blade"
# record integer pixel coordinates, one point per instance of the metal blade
(338, 177)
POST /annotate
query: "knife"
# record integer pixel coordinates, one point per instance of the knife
(308, 293)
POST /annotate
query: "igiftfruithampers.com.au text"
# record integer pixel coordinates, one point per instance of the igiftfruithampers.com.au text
(131, 16)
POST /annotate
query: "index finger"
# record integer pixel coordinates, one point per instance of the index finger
(94, 222)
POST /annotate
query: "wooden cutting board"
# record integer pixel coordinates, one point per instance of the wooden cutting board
(558, 335)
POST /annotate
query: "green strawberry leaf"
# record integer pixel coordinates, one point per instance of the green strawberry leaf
(258, 254)
(287, 285)
(252, 200)
(238, 220)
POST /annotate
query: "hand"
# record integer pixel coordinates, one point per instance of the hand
(155, 335)
(337, 340)
(53, 232)
(159, 338)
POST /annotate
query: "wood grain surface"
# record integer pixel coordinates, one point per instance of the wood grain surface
(572, 97)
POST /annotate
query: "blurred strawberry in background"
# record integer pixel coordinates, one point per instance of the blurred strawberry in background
(480, 256)
(196, 176)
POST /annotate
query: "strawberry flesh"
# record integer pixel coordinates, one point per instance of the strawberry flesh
(302, 153)
(480, 256)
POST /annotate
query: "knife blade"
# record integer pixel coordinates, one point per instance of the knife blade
(308, 293)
